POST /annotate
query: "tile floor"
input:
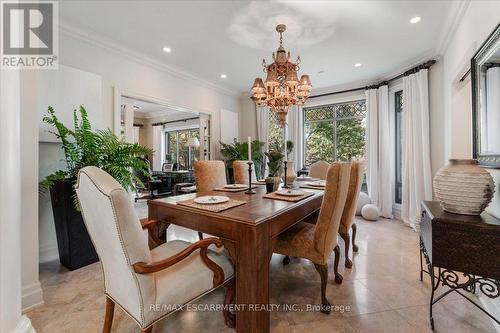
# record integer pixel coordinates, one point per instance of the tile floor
(382, 293)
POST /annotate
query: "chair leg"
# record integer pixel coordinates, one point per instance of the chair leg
(338, 277)
(200, 235)
(323, 273)
(354, 230)
(286, 260)
(345, 237)
(108, 318)
(229, 318)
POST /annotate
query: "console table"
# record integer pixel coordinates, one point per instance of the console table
(465, 250)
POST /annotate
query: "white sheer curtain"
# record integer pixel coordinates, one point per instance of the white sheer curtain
(158, 147)
(263, 125)
(295, 134)
(416, 173)
(380, 171)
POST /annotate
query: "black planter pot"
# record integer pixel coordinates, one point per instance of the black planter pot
(73, 241)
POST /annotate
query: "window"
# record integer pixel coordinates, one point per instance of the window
(176, 149)
(276, 132)
(399, 161)
(334, 132)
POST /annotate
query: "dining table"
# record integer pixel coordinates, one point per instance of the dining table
(249, 233)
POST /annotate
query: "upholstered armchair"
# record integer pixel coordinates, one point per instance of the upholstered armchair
(141, 281)
(209, 175)
(347, 220)
(319, 169)
(240, 171)
(316, 242)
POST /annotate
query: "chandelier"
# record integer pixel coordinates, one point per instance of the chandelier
(282, 87)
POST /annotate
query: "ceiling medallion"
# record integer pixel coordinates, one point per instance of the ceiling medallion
(282, 87)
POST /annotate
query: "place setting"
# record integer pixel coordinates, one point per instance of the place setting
(288, 194)
(317, 184)
(233, 188)
(212, 203)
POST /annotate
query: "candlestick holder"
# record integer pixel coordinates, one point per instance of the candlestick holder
(285, 168)
(250, 190)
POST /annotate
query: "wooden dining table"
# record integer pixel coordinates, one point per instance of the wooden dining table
(249, 233)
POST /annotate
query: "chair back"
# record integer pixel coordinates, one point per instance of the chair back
(209, 175)
(355, 182)
(240, 172)
(118, 238)
(319, 169)
(327, 225)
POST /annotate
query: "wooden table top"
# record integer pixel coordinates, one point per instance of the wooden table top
(256, 210)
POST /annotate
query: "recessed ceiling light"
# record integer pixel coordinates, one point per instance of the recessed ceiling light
(321, 73)
(415, 19)
(223, 76)
(358, 64)
(167, 49)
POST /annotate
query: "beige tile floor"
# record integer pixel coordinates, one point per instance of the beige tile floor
(382, 290)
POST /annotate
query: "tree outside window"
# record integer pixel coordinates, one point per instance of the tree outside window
(177, 151)
(334, 132)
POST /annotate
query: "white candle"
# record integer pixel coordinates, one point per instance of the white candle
(249, 148)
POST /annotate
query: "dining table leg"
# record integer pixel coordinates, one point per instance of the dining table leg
(252, 279)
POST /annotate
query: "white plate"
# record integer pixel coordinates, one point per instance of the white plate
(304, 179)
(211, 199)
(319, 183)
(236, 186)
(290, 193)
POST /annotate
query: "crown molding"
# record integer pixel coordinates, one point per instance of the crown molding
(140, 57)
(451, 25)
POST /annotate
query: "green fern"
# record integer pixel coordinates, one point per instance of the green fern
(83, 147)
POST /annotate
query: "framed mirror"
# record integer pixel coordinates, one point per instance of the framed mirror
(485, 74)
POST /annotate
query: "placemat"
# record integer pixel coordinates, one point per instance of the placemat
(275, 196)
(223, 189)
(216, 208)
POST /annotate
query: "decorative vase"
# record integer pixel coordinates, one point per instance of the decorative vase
(272, 184)
(462, 187)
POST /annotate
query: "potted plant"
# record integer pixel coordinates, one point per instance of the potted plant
(84, 147)
(239, 151)
(274, 164)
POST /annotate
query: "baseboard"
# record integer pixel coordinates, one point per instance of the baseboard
(24, 326)
(492, 306)
(48, 253)
(32, 296)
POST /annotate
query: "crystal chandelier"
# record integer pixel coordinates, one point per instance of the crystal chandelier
(282, 87)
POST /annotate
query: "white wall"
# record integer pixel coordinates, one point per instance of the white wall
(478, 21)
(130, 74)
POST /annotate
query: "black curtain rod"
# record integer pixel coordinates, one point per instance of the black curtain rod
(174, 121)
(413, 70)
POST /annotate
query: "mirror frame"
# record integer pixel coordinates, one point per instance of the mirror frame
(485, 160)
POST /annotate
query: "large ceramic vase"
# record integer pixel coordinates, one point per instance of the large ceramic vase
(462, 187)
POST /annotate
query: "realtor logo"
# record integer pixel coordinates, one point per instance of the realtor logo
(29, 35)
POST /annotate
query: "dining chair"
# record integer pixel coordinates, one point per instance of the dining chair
(148, 285)
(348, 216)
(209, 175)
(317, 241)
(240, 172)
(319, 169)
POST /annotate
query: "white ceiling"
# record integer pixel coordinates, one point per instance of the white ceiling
(232, 37)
